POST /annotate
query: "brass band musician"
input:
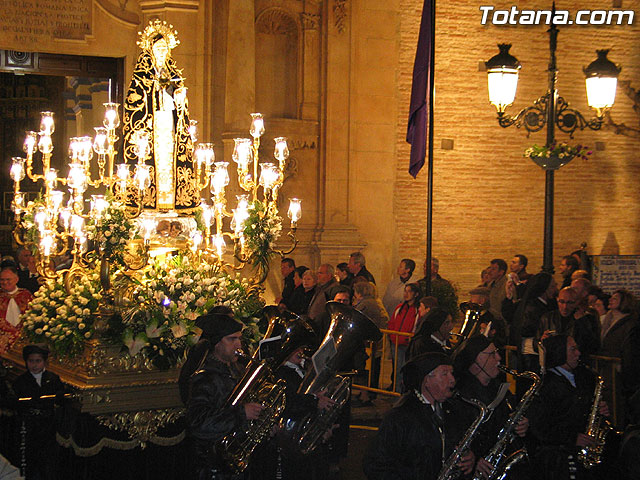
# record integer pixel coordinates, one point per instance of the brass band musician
(208, 418)
(560, 414)
(476, 364)
(409, 443)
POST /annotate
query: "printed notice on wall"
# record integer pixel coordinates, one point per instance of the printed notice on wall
(29, 22)
(613, 272)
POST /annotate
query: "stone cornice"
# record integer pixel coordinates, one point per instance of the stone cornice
(148, 6)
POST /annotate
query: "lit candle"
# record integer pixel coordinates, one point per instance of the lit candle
(56, 199)
(98, 205)
(101, 140)
(242, 152)
(207, 214)
(30, 142)
(45, 145)
(47, 125)
(219, 245)
(193, 130)
(220, 178)
(51, 177)
(17, 169)
(268, 175)
(77, 178)
(142, 177)
(196, 240)
(141, 144)
(257, 125)
(111, 117)
(295, 211)
(282, 150)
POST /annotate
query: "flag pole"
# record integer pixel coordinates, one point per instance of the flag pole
(432, 55)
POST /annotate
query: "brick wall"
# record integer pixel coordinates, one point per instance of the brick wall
(488, 200)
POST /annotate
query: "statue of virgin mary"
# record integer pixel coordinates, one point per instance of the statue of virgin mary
(157, 103)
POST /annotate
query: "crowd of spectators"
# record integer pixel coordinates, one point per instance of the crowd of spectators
(515, 307)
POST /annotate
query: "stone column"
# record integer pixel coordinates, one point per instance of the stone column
(240, 82)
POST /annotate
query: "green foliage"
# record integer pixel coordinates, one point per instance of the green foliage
(261, 230)
(112, 232)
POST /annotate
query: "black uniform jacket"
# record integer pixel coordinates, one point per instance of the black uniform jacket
(556, 417)
(208, 418)
(561, 410)
(409, 443)
(469, 387)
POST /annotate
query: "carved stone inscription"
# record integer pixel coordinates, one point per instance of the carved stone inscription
(29, 22)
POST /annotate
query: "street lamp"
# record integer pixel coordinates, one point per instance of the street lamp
(552, 111)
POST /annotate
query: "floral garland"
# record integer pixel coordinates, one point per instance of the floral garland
(562, 151)
(160, 327)
(112, 232)
(63, 320)
(261, 230)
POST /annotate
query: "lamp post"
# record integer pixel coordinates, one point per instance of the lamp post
(550, 111)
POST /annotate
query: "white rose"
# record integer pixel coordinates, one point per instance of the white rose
(86, 311)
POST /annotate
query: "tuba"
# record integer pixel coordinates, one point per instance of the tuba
(258, 385)
(450, 469)
(348, 330)
(497, 455)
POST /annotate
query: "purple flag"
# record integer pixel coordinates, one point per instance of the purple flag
(421, 91)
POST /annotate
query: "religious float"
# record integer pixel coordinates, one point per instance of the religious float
(156, 247)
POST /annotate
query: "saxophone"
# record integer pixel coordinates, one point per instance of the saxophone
(497, 457)
(450, 469)
(597, 427)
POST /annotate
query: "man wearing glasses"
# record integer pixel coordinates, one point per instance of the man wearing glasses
(476, 370)
(563, 321)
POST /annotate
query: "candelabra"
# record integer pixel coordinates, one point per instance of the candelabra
(56, 223)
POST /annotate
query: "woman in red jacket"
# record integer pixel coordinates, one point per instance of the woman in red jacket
(404, 319)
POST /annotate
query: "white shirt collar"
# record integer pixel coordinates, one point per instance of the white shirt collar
(38, 377)
(565, 373)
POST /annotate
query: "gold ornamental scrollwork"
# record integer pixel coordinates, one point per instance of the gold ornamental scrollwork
(143, 425)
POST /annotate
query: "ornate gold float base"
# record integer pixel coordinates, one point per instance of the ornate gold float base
(109, 382)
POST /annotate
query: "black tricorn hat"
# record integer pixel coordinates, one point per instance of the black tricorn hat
(421, 365)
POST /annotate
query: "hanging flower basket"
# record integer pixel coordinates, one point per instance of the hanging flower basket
(556, 155)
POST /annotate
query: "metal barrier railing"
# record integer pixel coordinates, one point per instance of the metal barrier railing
(608, 367)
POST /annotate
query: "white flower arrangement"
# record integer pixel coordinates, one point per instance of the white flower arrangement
(55, 317)
(171, 295)
(112, 231)
(159, 326)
